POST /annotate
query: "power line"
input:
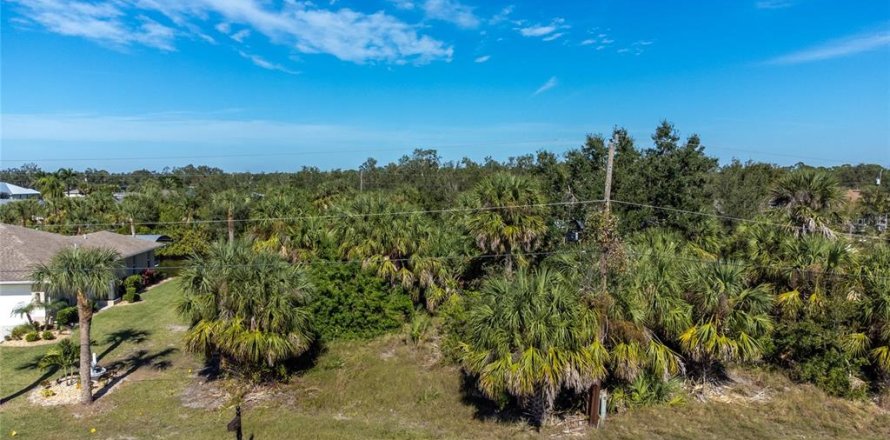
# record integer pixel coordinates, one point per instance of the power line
(739, 219)
(330, 216)
(453, 210)
(579, 251)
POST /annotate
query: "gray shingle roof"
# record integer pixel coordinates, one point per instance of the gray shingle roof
(23, 248)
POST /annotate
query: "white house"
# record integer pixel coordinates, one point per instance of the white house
(23, 248)
(10, 192)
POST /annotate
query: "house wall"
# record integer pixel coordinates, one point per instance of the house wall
(12, 296)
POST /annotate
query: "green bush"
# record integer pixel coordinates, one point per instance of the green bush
(31, 337)
(419, 328)
(19, 331)
(67, 316)
(350, 303)
(133, 282)
(131, 296)
(812, 352)
(47, 335)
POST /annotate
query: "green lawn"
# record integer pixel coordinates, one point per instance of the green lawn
(376, 389)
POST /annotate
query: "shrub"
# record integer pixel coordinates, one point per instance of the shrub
(420, 326)
(131, 296)
(31, 337)
(350, 303)
(19, 331)
(149, 277)
(66, 316)
(133, 282)
(47, 335)
(812, 352)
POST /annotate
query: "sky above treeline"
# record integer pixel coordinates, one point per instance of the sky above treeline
(257, 85)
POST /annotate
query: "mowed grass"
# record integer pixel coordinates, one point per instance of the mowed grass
(382, 388)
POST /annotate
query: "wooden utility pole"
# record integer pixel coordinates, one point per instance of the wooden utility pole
(607, 195)
(593, 397)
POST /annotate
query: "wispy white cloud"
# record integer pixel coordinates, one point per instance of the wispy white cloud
(223, 28)
(546, 31)
(104, 22)
(838, 48)
(451, 11)
(241, 35)
(502, 16)
(774, 4)
(588, 42)
(553, 36)
(483, 58)
(344, 33)
(551, 83)
(265, 64)
(405, 5)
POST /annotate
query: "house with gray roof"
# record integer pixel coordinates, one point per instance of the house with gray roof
(23, 248)
(10, 193)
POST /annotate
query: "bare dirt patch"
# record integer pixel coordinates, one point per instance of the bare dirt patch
(205, 395)
(67, 392)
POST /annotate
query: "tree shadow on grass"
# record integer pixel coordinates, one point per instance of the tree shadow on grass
(118, 337)
(30, 365)
(121, 369)
(485, 408)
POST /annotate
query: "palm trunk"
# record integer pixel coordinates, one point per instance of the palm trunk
(539, 407)
(231, 223)
(85, 316)
(132, 227)
(593, 404)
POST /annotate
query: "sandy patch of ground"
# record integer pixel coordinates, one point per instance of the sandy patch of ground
(67, 392)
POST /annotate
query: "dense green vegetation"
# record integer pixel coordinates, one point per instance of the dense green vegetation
(540, 292)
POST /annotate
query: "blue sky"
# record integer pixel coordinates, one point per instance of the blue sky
(270, 85)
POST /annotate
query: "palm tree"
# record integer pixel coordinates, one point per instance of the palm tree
(51, 188)
(815, 271)
(872, 335)
(509, 219)
(634, 310)
(63, 356)
(67, 177)
(25, 210)
(232, 202)
(529, 336)
(807, 198)
(82, 273)
(729, 315)
(248, 308)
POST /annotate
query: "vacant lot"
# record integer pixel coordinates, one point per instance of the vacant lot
(378, 389)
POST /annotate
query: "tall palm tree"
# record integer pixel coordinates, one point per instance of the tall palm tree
(808, 199)
(634, 313)
(248, 308)
(82, 273)
(509, 219)
(68, 177)
(729, 316)
(529, 336)
(51, 188)
(232, 202)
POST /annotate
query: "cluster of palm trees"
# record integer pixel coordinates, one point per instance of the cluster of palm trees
(528, 316)
(668, 307)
